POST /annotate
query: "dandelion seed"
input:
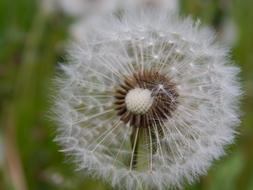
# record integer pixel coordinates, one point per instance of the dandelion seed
(145, 122)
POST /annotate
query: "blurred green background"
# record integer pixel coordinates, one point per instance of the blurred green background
(32, 42)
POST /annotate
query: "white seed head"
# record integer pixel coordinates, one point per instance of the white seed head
(139, 100)
(115, 130)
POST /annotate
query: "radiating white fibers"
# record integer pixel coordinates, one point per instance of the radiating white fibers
(169, 151)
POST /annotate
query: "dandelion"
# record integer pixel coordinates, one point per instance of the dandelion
(148, 101)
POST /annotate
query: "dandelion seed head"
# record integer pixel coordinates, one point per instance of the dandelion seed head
(140, 122)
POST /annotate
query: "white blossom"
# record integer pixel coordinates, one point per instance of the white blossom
(184, 113)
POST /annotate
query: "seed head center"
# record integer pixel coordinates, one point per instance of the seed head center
(138, 101)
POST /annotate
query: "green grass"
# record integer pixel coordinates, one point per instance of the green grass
(31, 44)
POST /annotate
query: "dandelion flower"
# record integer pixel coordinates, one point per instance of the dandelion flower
(149, 100)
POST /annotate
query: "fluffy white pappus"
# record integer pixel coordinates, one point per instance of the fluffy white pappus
(78, 28)
(191, 78)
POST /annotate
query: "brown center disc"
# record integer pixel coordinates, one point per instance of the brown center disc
(164, 98)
